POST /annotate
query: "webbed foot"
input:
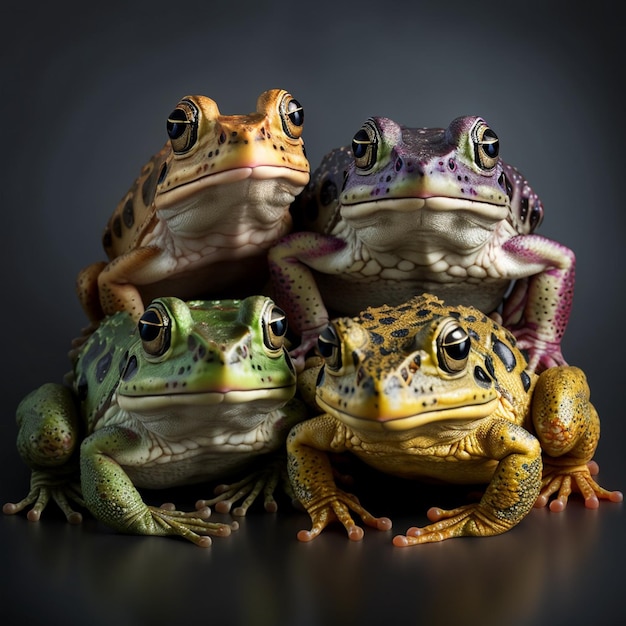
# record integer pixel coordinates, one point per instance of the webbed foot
(192, 525)
(247, 489)
(45, 486)
(467, 521)
(336, 507)
(563, 480)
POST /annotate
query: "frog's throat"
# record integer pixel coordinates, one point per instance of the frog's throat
(412, 421)
(495, 211)
(235, 396)
(176, 195)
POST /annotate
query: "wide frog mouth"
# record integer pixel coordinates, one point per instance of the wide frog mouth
(398, 422)
(290, 178)
(490, 212)
(154, 401)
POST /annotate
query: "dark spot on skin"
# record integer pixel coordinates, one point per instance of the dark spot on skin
(148, 188)
(387, 320)
(422, 313)
(489, 366)
(117, 226)
(162, 173)
(367, 316)
(131, 368)
(94, 350)
(505, 354)
(103, 365)
(107, 240)
(401, 332)
(128, 214)
(473, 334)
(377, 339)
(525, 380)
(481, 377)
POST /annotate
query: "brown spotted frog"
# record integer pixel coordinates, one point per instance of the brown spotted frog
(436, 392)
(199, 218)
(413, 210)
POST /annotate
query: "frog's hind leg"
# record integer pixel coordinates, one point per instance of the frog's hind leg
(568, 428)
(47, 437)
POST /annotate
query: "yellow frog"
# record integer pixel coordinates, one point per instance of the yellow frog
(425, 390)
(201, 215)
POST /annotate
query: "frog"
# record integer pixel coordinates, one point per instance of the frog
(197, 221)
(432, 392)
(194, 392)
(403, 211)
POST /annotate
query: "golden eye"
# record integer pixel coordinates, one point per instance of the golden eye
(486, 146)
(182, 126)
(329, 347)
(365, 146)
(155, 330)
(274, 321)
(292, 116)
(453, 347)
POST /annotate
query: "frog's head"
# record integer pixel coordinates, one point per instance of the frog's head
(194, 356)
(432, 177)
(398, 368)
(210, 152)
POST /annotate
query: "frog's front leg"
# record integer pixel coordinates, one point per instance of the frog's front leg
(508, 497)
(111, 496)
(538, 308)
(117, 282)
(47, 437)
(311, 477)
(568, 428)
(291, 262)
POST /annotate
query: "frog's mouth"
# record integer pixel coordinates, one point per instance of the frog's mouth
(388, 421)
(154, 402)
(489, 211)
(291, 179)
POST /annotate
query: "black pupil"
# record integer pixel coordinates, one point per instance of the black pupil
(174, 128)
(327, 342)
(295, 113)
(150, 326)
(491, 143)
(279, 327)
(457, 344)
(360, 143)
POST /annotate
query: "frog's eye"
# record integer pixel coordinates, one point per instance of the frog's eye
(292, 116)
(329, 347)
(155, 330)
(182, 127)
(274, 328)
(453, 347)
(486, 146)
(365, 146)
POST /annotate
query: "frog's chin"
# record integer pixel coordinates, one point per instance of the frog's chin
(408, 422)
(158, 402)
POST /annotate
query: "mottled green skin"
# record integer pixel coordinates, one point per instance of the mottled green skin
(429, 391)
(195, 392)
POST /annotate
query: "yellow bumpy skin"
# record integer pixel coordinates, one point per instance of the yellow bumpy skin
(428, 391)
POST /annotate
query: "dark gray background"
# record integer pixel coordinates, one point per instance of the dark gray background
(85, 94)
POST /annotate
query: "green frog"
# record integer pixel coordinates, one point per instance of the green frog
(195, 391)
(428, 391)
(199, 218)
(411, 210)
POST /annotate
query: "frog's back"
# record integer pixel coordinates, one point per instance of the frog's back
(100, 363)
(135, 211)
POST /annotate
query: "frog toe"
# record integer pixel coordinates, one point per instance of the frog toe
(192, 525)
